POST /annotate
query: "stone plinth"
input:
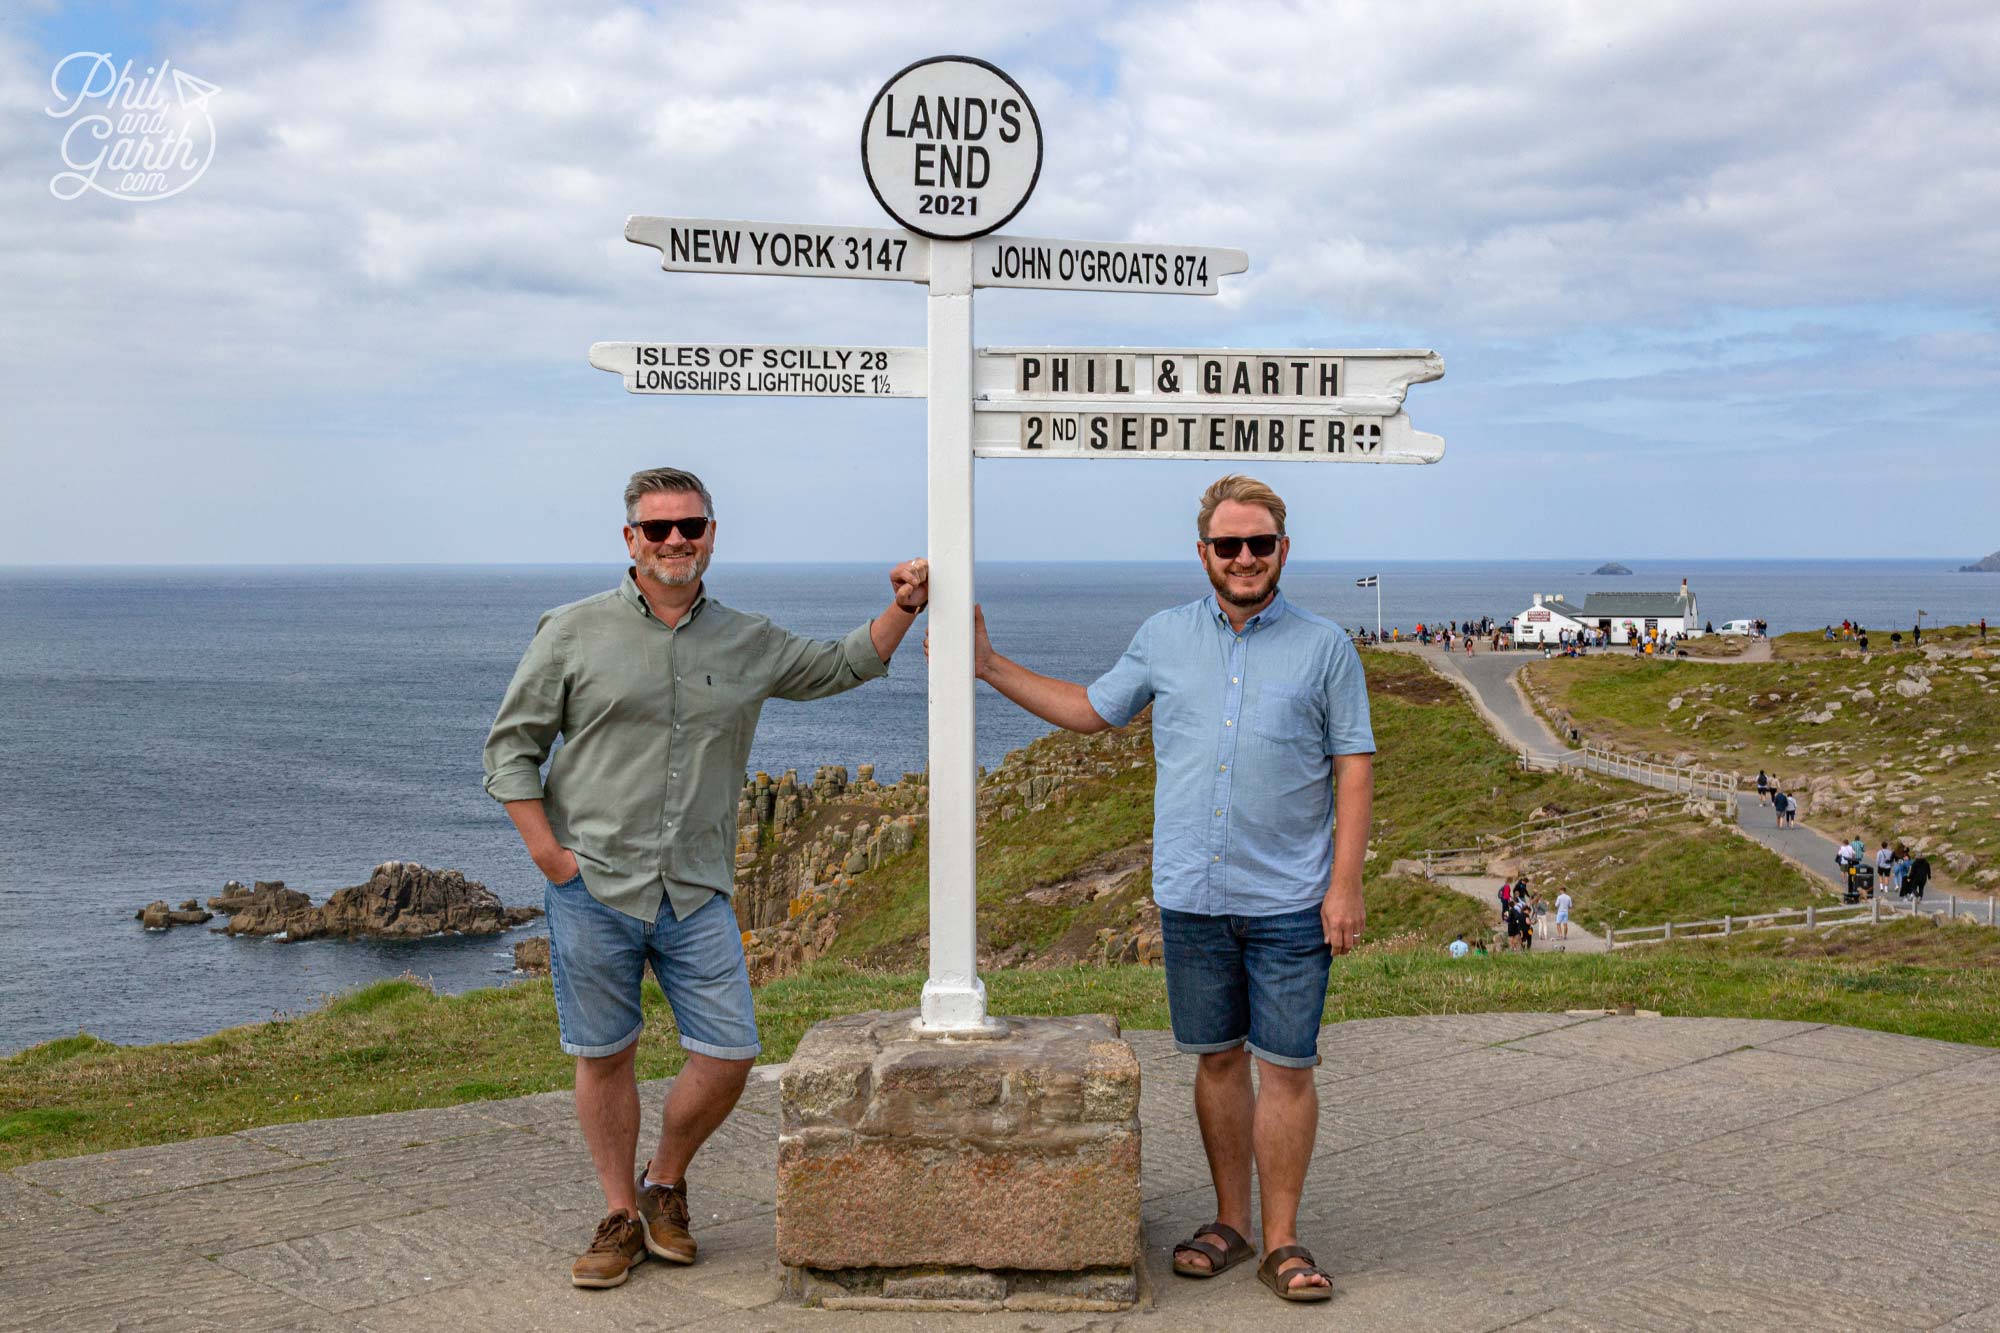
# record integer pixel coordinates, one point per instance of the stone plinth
(978, 1172)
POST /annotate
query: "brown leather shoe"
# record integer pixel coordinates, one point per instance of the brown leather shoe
(665, 1209)
(619, 1244)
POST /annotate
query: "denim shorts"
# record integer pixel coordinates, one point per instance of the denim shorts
(598, 957)
(1255, 979)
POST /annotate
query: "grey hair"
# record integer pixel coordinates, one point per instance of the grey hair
(670, 479)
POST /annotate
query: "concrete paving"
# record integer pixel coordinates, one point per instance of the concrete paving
(1483, 1171)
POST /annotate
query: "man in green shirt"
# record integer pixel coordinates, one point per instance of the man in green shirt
(655, 689)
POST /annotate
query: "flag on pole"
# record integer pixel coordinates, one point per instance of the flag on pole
(1371, 581)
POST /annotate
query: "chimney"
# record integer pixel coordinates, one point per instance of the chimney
(1538, 599)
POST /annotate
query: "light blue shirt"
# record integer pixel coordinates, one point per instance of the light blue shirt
(1245, 727)
(1459, 948)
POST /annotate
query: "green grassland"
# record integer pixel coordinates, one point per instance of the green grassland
(1441, 780)
(1891, 765)
(1671, 870)
(395, 1046)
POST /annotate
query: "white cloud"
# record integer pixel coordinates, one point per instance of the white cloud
(412, 232)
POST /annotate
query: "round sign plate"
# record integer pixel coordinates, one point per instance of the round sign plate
(952, 147)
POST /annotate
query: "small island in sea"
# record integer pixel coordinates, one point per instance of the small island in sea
(1611, 567)
(1990, 565)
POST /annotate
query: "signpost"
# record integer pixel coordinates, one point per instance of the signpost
(952, 148)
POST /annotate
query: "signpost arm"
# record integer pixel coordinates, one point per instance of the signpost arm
(954, 997)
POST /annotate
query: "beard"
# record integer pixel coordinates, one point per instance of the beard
(1220, 582)
(674, 574)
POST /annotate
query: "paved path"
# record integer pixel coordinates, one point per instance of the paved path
(1524, 1171)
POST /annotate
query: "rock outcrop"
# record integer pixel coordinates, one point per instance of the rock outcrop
(532, 956)
(1611, 567)
(1990, 565)
(235, 898)
(401, 901)
(156, 915)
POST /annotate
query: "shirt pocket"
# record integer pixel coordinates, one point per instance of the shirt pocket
(1286, 713)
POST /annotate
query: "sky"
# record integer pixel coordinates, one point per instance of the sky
(1708, 279)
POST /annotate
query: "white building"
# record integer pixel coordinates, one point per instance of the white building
(1635, 615)
(1622, 616)
(1545, 621)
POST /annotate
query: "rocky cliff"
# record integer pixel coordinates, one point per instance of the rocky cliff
(804, 848)
(1990, 565)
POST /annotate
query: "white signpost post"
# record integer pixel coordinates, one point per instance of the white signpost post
(952, 148)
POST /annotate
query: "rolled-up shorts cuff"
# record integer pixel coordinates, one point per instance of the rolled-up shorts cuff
(599, 1052)
(1207, 1047)
(1286, 1061)
(749, 1052)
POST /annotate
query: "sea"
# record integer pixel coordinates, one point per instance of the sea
(168, 730)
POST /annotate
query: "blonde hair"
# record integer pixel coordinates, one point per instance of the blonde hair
(1243, 490)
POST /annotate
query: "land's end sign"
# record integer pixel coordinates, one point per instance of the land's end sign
(951, 147)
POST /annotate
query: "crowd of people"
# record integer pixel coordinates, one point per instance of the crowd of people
(1524, 915)
(1459, 634)
(1863, 875)
(1784, 805)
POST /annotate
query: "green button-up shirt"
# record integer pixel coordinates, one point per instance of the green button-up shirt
(656, 723)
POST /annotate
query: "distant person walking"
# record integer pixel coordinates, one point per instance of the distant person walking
(1763, 787)
(1562, 915)
(1920, 875)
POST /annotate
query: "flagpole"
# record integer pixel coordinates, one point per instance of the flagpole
(1378, 608)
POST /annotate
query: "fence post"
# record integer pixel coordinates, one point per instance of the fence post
(1609, 943)
(1669, 931)
(1950, 908)
(1725, 923)
(1812, 913)
(1990, 904)
(1874, 909)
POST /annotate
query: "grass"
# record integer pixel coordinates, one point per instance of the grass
(1672, 870)
(1441, 777)
(1889, 766)
(1423, 728)
(85, 1096)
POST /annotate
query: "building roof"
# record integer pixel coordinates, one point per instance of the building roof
(1560, 610)
(1639, 605)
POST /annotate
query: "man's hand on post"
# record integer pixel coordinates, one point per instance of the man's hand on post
(912, 583)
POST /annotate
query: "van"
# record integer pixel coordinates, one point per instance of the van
(1736, 627)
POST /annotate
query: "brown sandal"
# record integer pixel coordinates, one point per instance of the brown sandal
(1220, 1260)
(1267, 1273)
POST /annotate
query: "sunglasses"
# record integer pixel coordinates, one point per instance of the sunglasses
(1229, 547)
(657, 529)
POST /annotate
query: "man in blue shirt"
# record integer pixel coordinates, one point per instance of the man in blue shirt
(1265, 761)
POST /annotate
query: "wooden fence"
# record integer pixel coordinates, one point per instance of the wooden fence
(1686, 779)
(1982, 911)
(1549, 831)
